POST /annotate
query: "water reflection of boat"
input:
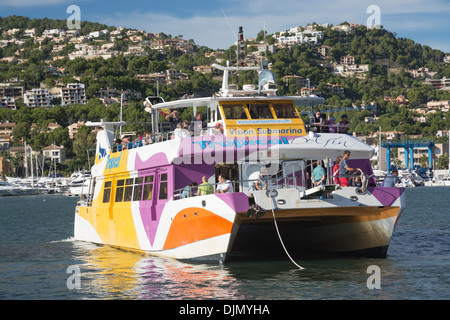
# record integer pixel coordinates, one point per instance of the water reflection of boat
(113, 273)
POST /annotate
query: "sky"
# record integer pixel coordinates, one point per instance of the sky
(215, 23)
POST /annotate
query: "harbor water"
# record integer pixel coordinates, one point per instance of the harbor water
(40, 261)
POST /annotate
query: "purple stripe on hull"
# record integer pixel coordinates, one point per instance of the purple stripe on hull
(156, 160)
(386, 196)
(151, 211)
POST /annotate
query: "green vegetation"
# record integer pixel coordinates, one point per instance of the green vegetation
(389, 59)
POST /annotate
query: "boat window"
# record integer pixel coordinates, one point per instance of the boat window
(128, 190)
(234, 111)
(148, 188)
(137, 191)
(260, 111)
(285, 110)
(163, 186)
(119, 190)
(107, 191)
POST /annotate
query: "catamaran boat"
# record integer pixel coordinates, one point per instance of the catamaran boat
(137, 197)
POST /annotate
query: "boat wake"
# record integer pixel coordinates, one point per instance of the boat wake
(70, 239)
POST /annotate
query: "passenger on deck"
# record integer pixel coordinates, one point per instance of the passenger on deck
(173, 119)
(391, 179)
(256, 178)
(224, 186)
(318, 122)
(180, 132)
(205, 187)
(332, 127)
(146, 139)
(197, 124)
(318, 175)
(114, 146)
(344, 169)
(187, 191)
(127, 143)
(138, 140)
(343, 125)
(336, 169)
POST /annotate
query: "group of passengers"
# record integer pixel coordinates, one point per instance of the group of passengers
(205, 188)
(182, 129)
(344, 175)
(140, 140)
(178, 127)
(320, 123)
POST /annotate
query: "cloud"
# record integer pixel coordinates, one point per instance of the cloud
(209, 27)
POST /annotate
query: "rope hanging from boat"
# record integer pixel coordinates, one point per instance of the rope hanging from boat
(270, 194)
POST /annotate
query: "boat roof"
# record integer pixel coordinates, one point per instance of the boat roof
(207, 101)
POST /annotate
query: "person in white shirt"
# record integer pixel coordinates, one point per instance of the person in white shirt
(256, 179)
(180, 132)
(224, 185)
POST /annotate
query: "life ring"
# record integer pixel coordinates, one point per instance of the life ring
(219, 127)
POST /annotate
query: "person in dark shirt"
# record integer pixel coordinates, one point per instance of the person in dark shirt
(318, 122)
(343, 125)
(197, 124)
(173, 119)
(344, 169)
(392, 179)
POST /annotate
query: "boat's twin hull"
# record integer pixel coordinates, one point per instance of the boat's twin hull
(216, 227)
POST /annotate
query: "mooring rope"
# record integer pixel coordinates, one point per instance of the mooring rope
(278, 232)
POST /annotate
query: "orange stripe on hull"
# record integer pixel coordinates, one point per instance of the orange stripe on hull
(195, 224)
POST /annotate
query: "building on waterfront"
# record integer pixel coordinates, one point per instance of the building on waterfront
(54, 152)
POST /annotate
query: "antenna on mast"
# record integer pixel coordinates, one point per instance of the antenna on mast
(232, 30)
(240, 48)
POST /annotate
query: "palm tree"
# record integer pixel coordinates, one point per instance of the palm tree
(423, 161)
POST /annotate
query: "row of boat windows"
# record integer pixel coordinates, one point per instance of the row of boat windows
(135, 189)
(260, 111)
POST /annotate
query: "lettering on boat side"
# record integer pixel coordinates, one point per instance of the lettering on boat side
(246, 132)
(240, 143)
(227, 309)
(323, 142)
(113, 162)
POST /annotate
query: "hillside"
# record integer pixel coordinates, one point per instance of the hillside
(349, 65)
